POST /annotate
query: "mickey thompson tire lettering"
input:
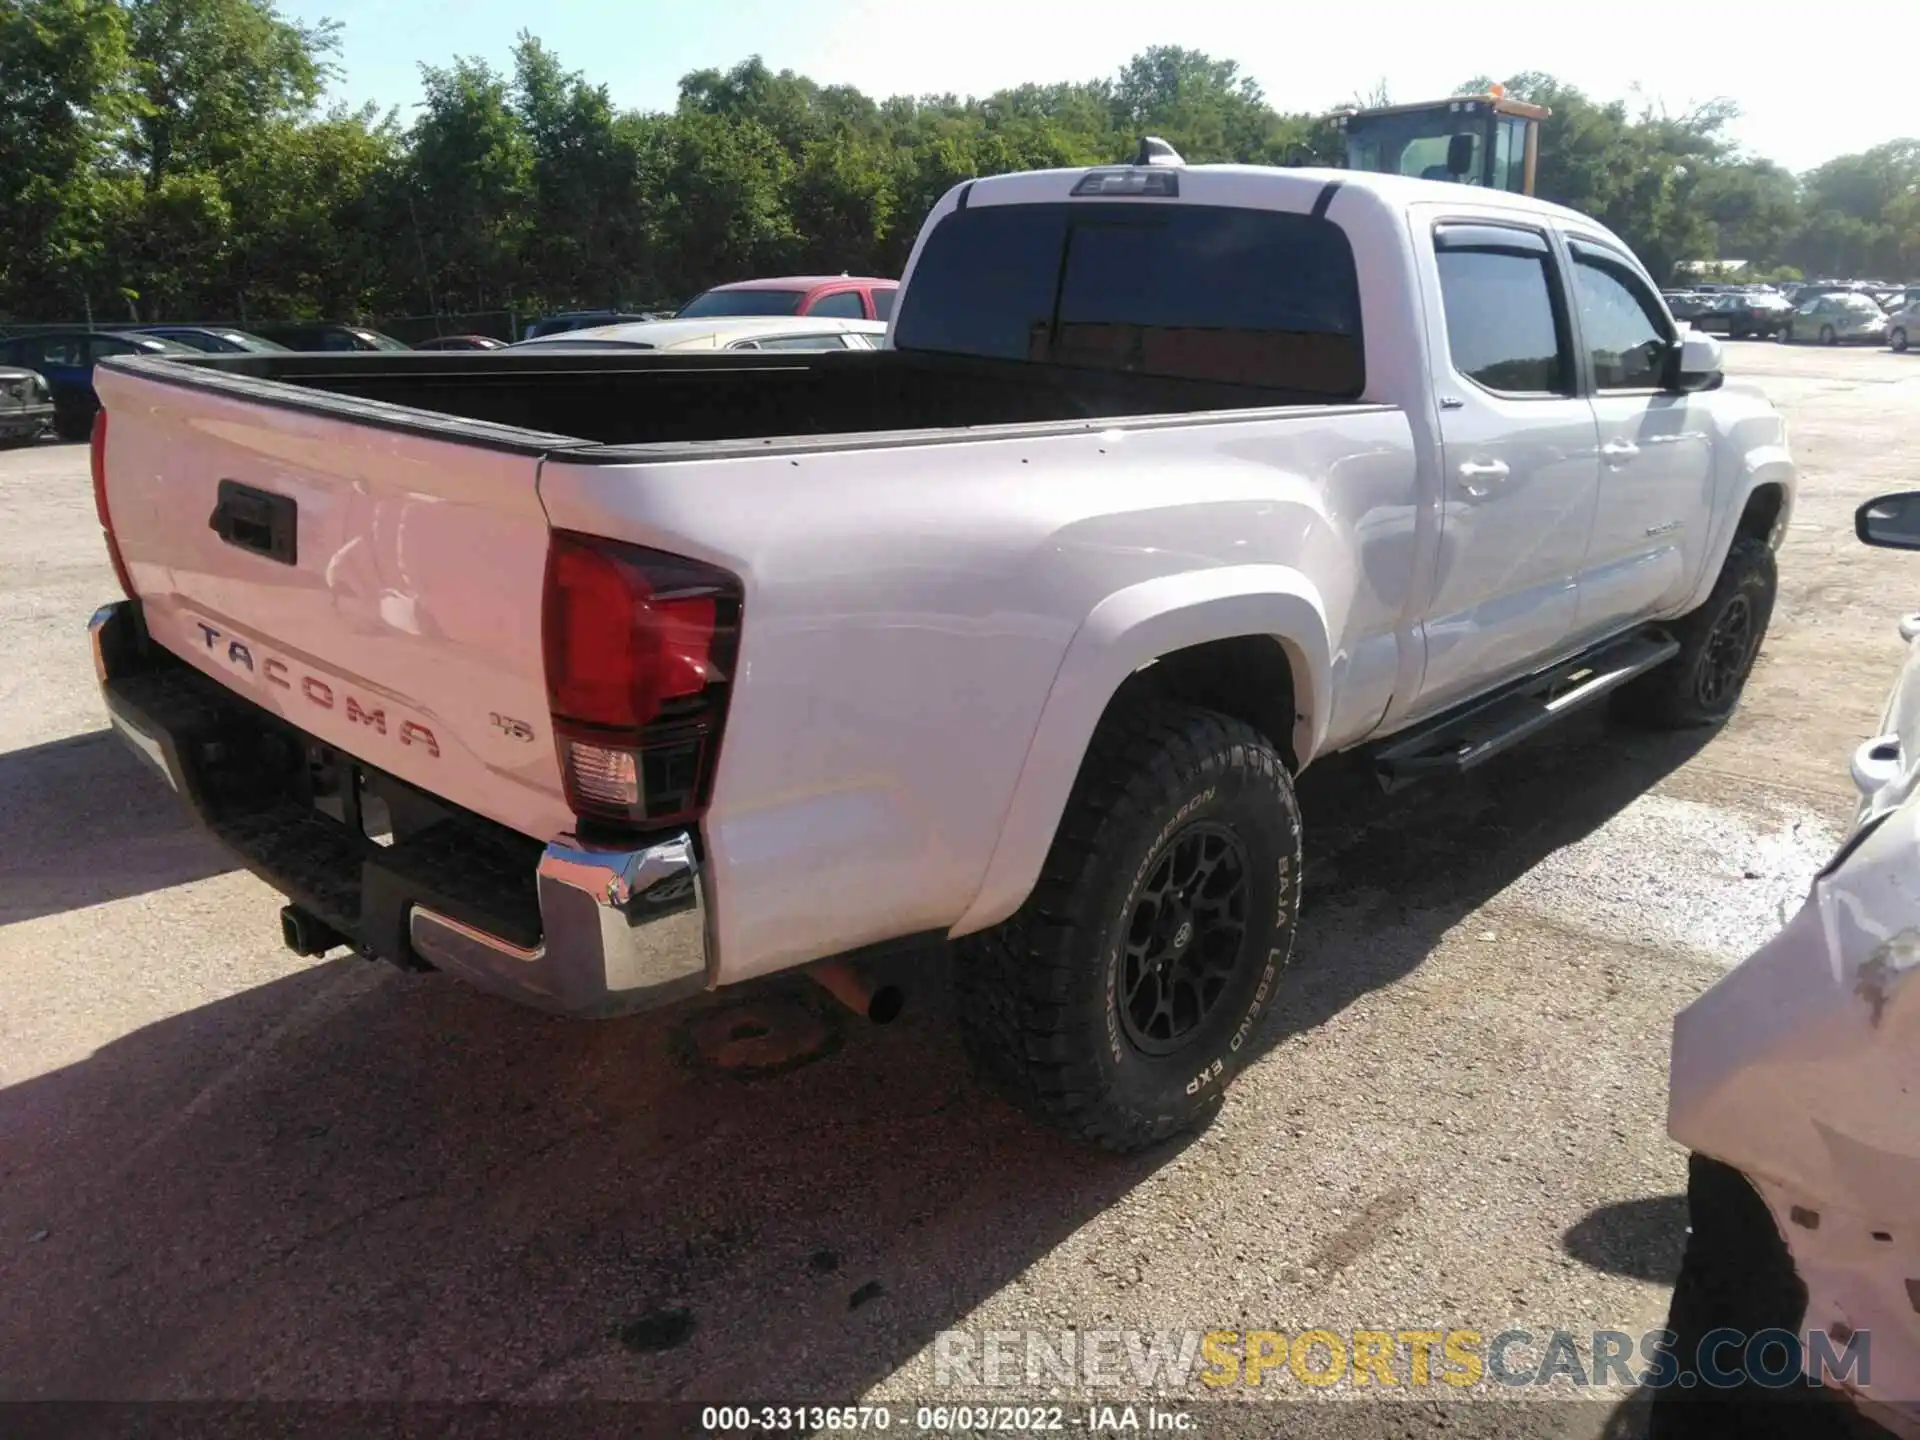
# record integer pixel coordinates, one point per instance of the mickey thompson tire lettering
(1040, 996)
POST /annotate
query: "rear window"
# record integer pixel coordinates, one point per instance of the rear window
(1185, 291)
(744, 302)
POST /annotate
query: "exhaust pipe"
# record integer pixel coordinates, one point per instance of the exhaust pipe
(306, 934)
(881, 1004)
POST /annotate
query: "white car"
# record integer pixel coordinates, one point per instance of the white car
(723, 332)
(1903, 325)
(1793, 1083)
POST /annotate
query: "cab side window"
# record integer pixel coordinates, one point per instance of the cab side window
(1626, 336)
(845, 303)
(1506, 322)
(52, 352)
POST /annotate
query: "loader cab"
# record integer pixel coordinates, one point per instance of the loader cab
(1484, 139)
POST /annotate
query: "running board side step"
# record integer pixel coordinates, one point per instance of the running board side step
(1463, 739)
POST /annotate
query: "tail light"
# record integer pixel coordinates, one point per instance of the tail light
(98, 451)
(640, 648)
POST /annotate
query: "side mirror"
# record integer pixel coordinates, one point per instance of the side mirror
(1891, 522)
(1699, 362)
(1459, 154)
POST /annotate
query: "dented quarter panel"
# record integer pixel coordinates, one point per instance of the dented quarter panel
(1801, 1068)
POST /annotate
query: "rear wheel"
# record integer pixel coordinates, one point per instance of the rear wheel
(1718, 645)
(1121, 999)
(1898, 340)
(1827, 337)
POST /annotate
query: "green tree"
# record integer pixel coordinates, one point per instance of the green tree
(63, 94)
(466, 192)
(207, 72)
(1203, 106)
(724, 208)
(592, 224)
(315, 230)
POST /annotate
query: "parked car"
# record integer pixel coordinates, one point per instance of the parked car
(325, 335)
(1903, 326)
(26, 405)
(851, 297)
(65, 360)
(582, 320)
(1014, 633)
(211, 339)
(1836, 318)
(736, 332)
(1687, 305)
(1792, 1084)
(1743, 314)
(461, 342)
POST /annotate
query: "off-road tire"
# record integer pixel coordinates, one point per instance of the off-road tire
(1039, 996)
(1676, 696)
(1737, 1274)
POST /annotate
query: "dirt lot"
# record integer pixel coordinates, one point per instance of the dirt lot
(228, 1173)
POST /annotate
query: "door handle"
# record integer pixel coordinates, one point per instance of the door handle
(256, 520)
(1478, 477)
(1619, 451)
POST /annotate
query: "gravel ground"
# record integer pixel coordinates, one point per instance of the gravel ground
(228, 1174)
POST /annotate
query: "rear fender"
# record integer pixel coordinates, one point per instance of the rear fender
(1130, 629)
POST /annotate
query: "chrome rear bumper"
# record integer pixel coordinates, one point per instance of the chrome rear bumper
(623, 930)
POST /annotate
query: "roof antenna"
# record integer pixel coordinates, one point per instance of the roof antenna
(1155, 151)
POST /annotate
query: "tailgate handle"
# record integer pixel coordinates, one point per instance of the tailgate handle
(256, 520)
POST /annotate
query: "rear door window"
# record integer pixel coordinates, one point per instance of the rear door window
(1504, 321)
(883, 303)
(1254, 297)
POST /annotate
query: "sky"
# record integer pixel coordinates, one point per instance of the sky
(1305, 55)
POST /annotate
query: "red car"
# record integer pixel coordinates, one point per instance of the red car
(853, 297)
(462, 342)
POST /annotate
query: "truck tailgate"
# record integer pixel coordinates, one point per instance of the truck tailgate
(380, 590)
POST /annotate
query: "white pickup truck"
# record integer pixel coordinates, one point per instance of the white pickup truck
(600, 678)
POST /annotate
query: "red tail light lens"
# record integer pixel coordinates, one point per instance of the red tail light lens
(640, 648)
(97, 449)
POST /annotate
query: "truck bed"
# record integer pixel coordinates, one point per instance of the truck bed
(599, 398)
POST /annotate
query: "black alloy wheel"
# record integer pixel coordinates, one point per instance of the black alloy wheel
(1729, 654)
(1186, 938)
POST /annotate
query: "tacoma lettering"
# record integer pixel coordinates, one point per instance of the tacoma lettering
(376, 718)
